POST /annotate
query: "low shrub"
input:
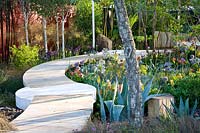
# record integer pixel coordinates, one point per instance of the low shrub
(187, 87)
(8, 99)
(24, 56)
(10, 82)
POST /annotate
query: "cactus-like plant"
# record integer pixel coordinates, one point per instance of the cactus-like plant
(147, 89)
(122, 99)
(183, 110)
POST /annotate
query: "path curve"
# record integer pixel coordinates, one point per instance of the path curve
(53, 102)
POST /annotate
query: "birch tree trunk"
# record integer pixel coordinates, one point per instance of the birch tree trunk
(44, 23)
(26, 27)
(57, 34)
(132, 67)
(25, 14)
(63, 35)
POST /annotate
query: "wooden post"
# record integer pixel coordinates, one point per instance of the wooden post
(156, 106)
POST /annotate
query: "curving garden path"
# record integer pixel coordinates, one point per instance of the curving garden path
(53, 102)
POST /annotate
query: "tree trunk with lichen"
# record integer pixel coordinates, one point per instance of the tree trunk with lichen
(44, 23)
(132, 67)
(24, 5)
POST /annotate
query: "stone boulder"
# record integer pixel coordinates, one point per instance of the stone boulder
(103, 42)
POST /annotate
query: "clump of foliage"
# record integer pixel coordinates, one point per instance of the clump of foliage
(187, 87)
(108, 76)
(10, 82)
(179, 72)
(8, 99)
(183, 110)
(79, 39)
(84, 17)
(24, 56)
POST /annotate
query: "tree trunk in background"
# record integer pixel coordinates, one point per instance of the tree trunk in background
(44, 23)
(57, 34)
(144, 29)
(8, 31)
(132, 67)
(2, 36)
(154, 24)
(13, 31)
(63, 34)
(25, 13)
(26, 28)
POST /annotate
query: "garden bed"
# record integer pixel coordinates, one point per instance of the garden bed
(176, 72)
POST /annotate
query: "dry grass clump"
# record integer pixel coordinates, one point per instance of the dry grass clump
(154, 125)
(4, 124)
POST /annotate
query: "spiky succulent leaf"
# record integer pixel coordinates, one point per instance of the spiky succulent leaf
(186, 111)
(115, 91)
(120, 99)
(109, 105)
(117, 109)
(147, 89)
(102, 109)
(174, 106)
(125, 89)
(169, 112)
(194, 108)
(181, 107)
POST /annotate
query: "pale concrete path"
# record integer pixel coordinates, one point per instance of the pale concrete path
(55, 114)
(53, 103)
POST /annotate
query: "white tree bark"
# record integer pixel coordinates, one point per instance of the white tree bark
(57, 34)
(132, 67)
(63, 35)
(25, 14)
(44, 23)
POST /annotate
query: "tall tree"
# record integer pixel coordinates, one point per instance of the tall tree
(2, 30)
(66, 10)
(154, 23)
(132, 67)
(8, 6)
(57, 33)
(45, 9)
(25, 9)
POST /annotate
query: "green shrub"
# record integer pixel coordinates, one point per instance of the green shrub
(7, 99)
(12, 84)
(24, 56)
(187, 87)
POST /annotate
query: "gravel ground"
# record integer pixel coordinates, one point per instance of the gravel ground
(10, 112)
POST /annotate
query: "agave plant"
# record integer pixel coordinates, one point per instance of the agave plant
(147, 89)
(122, 108)
(183, 110)
(114, 109)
